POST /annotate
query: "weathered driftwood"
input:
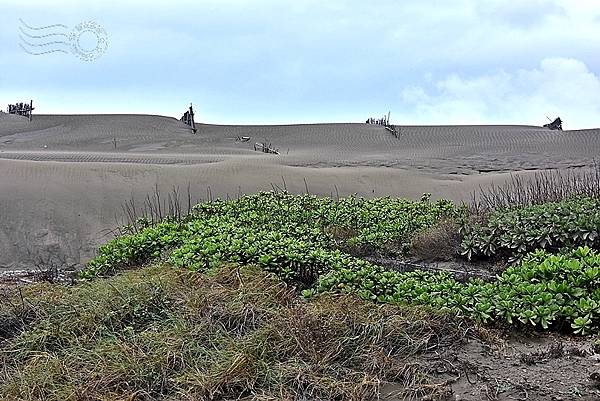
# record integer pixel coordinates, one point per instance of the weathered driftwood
(262, 147)
(555, 125)
(394, 130)
(461, 272)
(12, 278)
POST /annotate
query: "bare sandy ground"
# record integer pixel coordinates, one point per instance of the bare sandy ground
(64, 178)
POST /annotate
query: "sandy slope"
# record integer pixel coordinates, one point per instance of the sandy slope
(64, 178)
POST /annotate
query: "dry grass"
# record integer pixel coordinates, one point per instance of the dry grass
(545, 186)
(440, 242)
(165, 334)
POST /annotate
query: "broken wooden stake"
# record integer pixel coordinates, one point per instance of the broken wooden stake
(188, 119)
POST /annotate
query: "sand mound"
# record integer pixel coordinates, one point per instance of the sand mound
(65, 177)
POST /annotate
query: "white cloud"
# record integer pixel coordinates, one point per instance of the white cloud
(558, 87)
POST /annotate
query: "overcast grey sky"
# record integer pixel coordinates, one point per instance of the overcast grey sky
(279, 61)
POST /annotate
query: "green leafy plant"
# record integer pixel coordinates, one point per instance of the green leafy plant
(543, 291)
(289, 235)
(513, 233)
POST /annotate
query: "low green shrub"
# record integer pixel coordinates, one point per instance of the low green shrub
(513, 233)
(287, 234)
(133, 249)
(303, 239)
(293, 260)
(544, 290)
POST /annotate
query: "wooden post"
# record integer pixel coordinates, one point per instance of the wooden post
(192, 123)
(30, 109)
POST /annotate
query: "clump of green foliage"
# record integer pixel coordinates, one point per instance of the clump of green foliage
(514, 232)
(293, 236)
(165, 333)
(544, 290)
(134, 249)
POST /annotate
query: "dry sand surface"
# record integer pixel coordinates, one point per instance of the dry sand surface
(65, 178)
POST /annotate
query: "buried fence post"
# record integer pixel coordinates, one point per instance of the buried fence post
(188, 119)
(22, 109)
(385, 121)
(192, 123)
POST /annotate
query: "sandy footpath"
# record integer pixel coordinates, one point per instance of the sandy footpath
(64, 178)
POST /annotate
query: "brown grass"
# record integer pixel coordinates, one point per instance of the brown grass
(440, 242)
(165, 334)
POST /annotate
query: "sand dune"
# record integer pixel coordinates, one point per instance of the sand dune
(64, 178)
(436, 149)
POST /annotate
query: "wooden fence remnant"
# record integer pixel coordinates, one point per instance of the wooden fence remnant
(21, 109)
(263, 147)
(188, 118)
(385, 122)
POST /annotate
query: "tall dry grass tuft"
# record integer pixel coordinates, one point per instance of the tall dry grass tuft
(544, 186)
(155, 208)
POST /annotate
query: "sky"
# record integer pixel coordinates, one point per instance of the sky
(309, 61)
